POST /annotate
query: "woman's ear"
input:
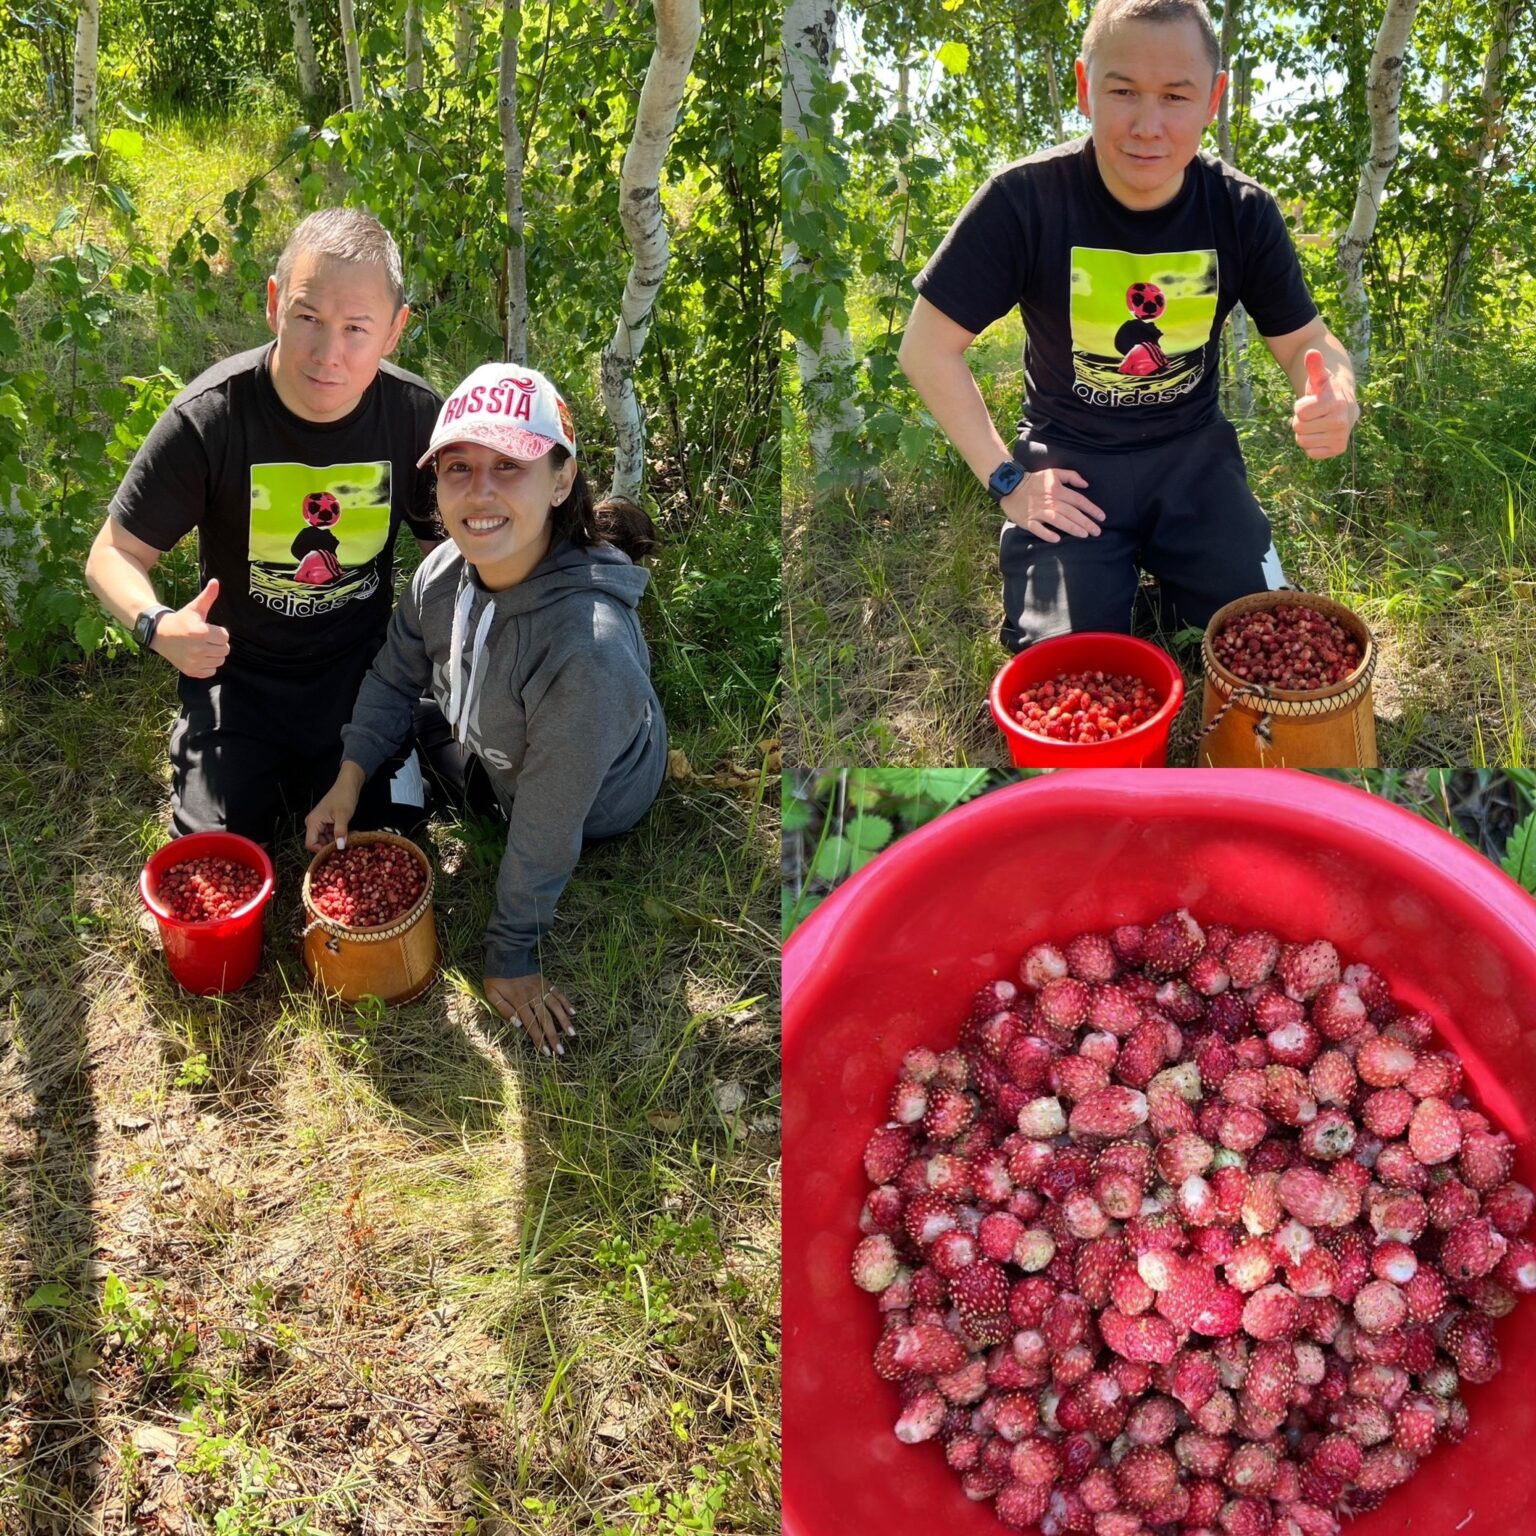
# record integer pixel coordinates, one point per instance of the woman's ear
(565, 478)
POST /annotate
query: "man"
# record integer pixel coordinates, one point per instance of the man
(296, 464)
(1125, 252)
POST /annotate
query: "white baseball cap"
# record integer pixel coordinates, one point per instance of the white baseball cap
(504, 406)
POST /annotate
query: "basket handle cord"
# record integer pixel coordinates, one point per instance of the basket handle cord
(1258, 691)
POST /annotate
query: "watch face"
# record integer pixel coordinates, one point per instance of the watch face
(1006, 478)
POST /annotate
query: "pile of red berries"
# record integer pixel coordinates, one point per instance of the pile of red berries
(1192, 1231)
(1086, 707)
(204, 890)
(367, 885)
(1288, 646)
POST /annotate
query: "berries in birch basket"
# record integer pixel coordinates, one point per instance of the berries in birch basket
(1289, 646)
(367, 885)
(205, 890)
(1086, 707)
(1192, 1231)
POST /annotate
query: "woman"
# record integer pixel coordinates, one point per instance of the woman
(524, 630)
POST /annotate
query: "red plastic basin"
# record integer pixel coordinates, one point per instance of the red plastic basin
(222, 954)
(1091, 651)
(891, 958)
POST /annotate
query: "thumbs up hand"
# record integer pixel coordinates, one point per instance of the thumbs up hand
(188, 641)
(1325, 414)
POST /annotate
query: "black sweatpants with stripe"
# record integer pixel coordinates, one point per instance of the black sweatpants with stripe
(1180, 510)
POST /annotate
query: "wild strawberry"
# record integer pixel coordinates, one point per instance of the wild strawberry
(928, 1349)
(948, 1175)
(1250, 1470)
(1251, 957)
(1396, 1165)
(948, 1113)
(1148, 1339)
(1193, 1379)
(1436, 1075)
(1471, 1249)
(1312, 1199)
(1091, 957)
(1450, 1203)
(1384, 1062)
(1328, 1137)
(927, 1216)
(1434, 1133)
(921, 1418)
(1271, 1312)
(1510, 1207)
(1271, 1377)
(1129, 1292)
(953, 1252)
(1380, 1307)
(1143, 1053)
(1094, 1266)
(1517, 1269)
(1022, 1506)
(954, 1071)
(875, 1263)
(1415, 1426)
(1229, 1017)
(1076, 1077)
(1146, 1476)
(1239, 1127)
(1394, 1261)
(1425, 1293)
(1469, 1342)
(1486, 1160)
(1108, 1112)
(1178, 1001)
(966, 1384)
(1113, 1010)
(1172, 943)
(1305, 969)
(994, 1035)
(1207, 976)
(1180, 1156)
(1287, 1097)
(909, 1102)
(886, 1152)
(1384, 1467)
(1373, 990)
(1027, 1062)
(1062, 1004)
(1332, 1079)
(1263, 1210)
(1251, 1267)
(1294, 1044)
(1386, 1113)
(1196, 1301)
(1042, 1119)
(1028, 1301)
(1314, 1274)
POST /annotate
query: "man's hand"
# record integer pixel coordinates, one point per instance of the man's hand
(1325, 415)
(329, 820)
(1046, 501)
(188, 641)
(543, 1011)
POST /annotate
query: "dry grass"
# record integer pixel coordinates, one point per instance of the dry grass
(276, 1264)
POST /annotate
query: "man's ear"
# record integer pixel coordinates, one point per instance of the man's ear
(1081, 71)
(398, 329)
(1216, 90)
(272, 305)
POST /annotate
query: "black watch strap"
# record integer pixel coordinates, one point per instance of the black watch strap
(1006, 478)
(147, 623)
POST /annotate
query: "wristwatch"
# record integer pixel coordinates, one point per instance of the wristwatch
(147, 623)
(1006, 478)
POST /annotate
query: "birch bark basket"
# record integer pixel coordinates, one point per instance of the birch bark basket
(87, 35)
(645, 228)
(826, 370)
(515, 318)
(1384, 90)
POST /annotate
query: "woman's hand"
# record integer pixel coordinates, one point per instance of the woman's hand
(329, 820)
(544, 1011)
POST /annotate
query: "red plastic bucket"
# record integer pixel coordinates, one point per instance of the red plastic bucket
(889, 960)
(1091, 651)
(222, 954)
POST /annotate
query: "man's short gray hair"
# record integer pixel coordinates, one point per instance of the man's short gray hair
(348, 234)
(1107, 12)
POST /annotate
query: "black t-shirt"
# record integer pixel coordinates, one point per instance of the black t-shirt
(1122, 308)
(296, 518)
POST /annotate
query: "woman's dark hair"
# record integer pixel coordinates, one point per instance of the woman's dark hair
(615, 520)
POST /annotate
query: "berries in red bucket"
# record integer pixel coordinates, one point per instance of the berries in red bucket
(1191, 1226)
(1086, 707)
(207, 890)
(1289, 646)
(367, 885)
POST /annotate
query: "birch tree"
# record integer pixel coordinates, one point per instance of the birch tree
(463, 34)
(1384, 89)
(645, 228)
(304, 51)
(1244, 385)
(1506, 16)
(353, 57)
(413, 70)
(87, 36)
(515, 316)
(827, 368)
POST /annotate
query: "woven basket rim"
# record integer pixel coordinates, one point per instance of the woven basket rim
(380, 931)
(1339, 695)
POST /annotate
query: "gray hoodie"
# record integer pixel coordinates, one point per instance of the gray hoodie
(548, 683)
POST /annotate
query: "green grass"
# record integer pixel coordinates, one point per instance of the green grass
(273, 1262)
(1424, 528)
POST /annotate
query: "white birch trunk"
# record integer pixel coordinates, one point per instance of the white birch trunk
(87, 36)
(1383, 91)
(827, 369)
(645, 227)
(304, 51)
(413, 72)
(1053, 87)
(463, 35)
(515, 320)
(353, 57)
(903, 187)
(1506, 18)
(1239, 337)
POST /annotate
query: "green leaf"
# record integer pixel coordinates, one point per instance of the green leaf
(868, 834)
(90, 631)
(797, 814)
(125, 142)
(120, 200)
(65, 217)
(1520, 854)
(915, 440)
(51, 1294)
(832, 859)
(955, 58)
(76, 147)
